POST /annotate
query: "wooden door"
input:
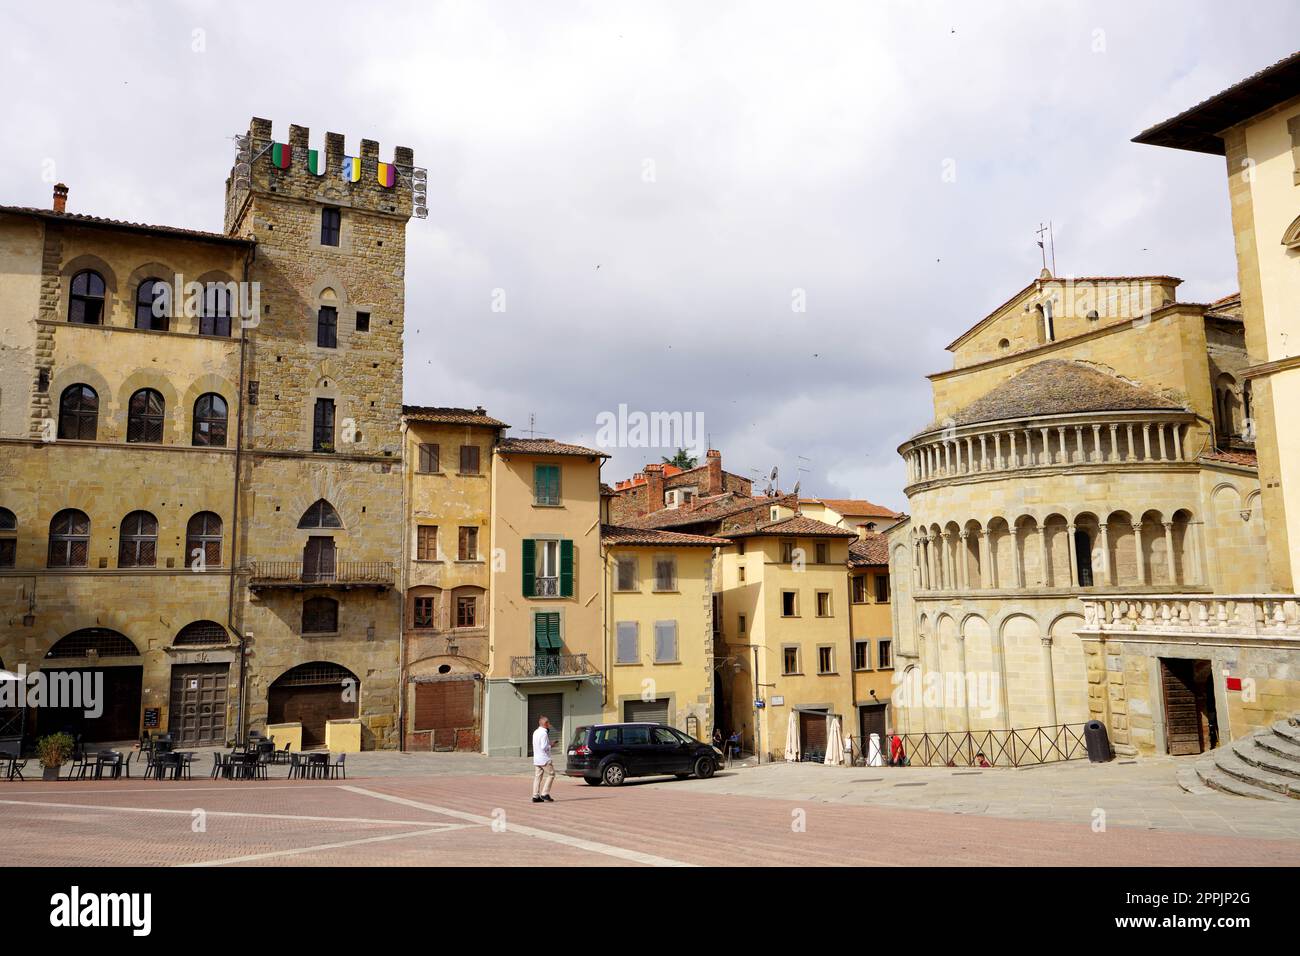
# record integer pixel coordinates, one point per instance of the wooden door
(812, 733)
(197, 716)
(318, 559)
(445, 710)
(1182, 710)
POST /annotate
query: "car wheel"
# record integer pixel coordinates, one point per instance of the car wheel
(614, 774)
(592, 781)
(704, 768)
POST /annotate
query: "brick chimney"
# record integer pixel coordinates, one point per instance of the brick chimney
(713, 482)
(654, 487)
(60, 197)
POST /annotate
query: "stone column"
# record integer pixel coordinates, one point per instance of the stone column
(1018, 553)
(963, 561)
(1171, 571)
(1096, 443)
(1178, 442)
(1042, 555)
(1137, 550)
(1103, 534)
(1049, 681)
(945, 560)
(985, 564)
(1160, 434)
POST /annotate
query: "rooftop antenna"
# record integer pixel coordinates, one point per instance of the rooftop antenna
(532, 425)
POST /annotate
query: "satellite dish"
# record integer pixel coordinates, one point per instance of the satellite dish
(796, 489)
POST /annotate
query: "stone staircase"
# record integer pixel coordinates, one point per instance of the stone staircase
(1265, 765)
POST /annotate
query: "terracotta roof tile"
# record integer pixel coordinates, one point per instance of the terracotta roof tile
(546, 446)
(619, 536)
(78, 219)
(1246, 458)
(708, 509)
(450, 416)
(871, 551)
(795, 525)
(856, 506)
(1057, 387)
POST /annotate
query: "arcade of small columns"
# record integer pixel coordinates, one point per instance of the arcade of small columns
(1065, 553)
(1064, 442)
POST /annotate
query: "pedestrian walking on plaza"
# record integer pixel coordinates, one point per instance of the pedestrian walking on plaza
(543, 769)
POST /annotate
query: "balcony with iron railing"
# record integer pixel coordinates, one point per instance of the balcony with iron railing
(341, 574)
(1108, 441)
(551, 667)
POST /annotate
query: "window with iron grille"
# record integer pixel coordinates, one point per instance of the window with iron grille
(428, 459)
(327, 327)
(137, 542)
(78, 413)
(467, 612)
(152, 301)
(423, 613)
(320, 515)
(214, 319)
(331, 221)
(468, 550)
(625, 573)
(201, 632)
(203, 537)
(322, 435)
(318, 673)
(86, 298)
(210, 417)
(93, 642)
(69, 539)
(320, 615)
(144, 419)
(665, 572)
(882, 588)
(469, 459)
(426, 542)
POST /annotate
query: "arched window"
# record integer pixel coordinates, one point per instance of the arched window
(320, 615)
(8, 538)
(137, 541)
(153, 305)
(218, 303)
(144, 417)
(210, 416)
(93, 642)
(320, 515)
(203, 538)
(86, 298)
(201, 632)
(79, 413)
(69, 539)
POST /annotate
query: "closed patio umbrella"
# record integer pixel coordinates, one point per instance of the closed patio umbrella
(834, 743)
(792, 739)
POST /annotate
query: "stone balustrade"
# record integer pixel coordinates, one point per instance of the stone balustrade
(1237, 615)
(1113, 439)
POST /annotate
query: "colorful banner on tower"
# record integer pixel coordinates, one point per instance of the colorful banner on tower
(386, 174)
(281, 155)
(352, 168)
(316, 162)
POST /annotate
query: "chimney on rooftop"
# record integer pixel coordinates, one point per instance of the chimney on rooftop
(60, 197)
(713, 482)
(654, 484)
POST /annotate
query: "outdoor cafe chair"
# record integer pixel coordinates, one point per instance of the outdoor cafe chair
(218, 765)
(337, 769)
(295, 766)
(282, 756)
(14, 766)
(110, 760)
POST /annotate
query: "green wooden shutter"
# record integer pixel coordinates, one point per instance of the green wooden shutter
(530, 567)
(566, 568)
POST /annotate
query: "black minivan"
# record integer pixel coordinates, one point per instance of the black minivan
(610, 753)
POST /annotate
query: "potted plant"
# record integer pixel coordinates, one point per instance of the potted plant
(53, 751)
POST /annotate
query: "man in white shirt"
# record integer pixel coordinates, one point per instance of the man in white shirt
(543, 769)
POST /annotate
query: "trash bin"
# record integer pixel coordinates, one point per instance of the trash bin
(1095, 736)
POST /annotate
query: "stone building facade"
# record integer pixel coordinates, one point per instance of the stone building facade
(206, 489)
(1085, 444)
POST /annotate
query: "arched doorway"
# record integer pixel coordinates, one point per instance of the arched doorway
(311, 694)
(97, 691)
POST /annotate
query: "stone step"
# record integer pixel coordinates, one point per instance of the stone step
(1287, 730)
(1212, 779)
(1189, 778)
(1228, 762)
(1279, 746)
(1252, 751)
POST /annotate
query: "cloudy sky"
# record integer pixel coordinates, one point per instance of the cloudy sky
(655, 185)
